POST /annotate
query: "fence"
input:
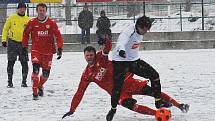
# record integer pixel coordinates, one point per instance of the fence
(167, 16)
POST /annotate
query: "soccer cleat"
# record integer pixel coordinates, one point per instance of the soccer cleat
(159, 103)
(184, 107)
(40, 92)
(24, 84)
(110, 114)
(10, 85)
(35, 97)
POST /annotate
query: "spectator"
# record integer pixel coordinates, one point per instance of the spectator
(103, 25)
(85, 22)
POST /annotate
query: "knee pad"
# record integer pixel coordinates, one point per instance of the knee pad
(36, 68)
(46, 73)
(129, 103)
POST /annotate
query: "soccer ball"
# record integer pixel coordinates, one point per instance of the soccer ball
(163, 114)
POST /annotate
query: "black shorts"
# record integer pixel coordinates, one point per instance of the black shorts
(14, 49)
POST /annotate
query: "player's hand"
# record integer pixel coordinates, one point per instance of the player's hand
(101, 41)
(4, 44)
(59, 53)
(122, 53)
(67, 114)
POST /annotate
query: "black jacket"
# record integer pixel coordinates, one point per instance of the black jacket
(103, 25)
(85, 19)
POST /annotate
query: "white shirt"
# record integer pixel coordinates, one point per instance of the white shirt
(129, 41)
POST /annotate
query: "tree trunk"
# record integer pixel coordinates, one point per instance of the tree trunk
(3, 16)
(188, 5)
(68, 12)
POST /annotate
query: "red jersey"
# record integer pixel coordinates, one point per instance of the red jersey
(42, 35)
(101, 74)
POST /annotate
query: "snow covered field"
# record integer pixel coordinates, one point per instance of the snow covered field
(186, 75)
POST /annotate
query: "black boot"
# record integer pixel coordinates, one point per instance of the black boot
(110, 114)
(10, 84)
(159, 103)
(35, 97)
(40, 92)
(24, 84)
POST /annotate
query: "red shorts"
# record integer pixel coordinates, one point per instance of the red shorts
(43, 60)
(132, 87)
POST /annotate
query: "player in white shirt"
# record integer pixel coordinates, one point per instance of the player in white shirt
(125, 58)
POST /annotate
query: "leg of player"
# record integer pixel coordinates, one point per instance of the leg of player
(10, 65)
(147, 90)
(43, 79)
(35, 79)
(131, 104)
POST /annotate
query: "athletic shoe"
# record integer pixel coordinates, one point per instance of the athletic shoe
(35, 97)
(110, 115)
(24, 84)
(162, 103)
(40, 92)
(10, 85)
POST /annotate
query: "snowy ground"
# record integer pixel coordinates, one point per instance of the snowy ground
(187, 75)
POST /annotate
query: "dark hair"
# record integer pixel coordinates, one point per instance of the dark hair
(21, 5)
(90, 48)
(41, 5)
(143, 22)
(102, 12)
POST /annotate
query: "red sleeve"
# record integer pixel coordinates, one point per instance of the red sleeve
(26, 34)
(79, 94)
(108, 45)
(58, 35)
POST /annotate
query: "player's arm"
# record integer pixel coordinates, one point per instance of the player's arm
(26, 34)
(6, 29)
(79, 94)
(107, 46)
(123, 40)
(59, 39)
(57, 34)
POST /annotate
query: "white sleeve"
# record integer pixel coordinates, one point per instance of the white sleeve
(123, 40)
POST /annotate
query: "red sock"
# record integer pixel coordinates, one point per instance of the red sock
(143, 109)
(35, 79)
(170, 99)
(42, 80)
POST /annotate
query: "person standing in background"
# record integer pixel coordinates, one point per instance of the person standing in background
(85, 22)
(42, 31)
(12, 39)
(103, 25)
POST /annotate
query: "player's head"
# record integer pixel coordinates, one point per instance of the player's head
(21, 8)
(41, 9)
(143, 24)
(90, 55)
(85, 7)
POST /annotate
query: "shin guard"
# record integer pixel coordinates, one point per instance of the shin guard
(42, 80)
(143, 109)
(35, 79)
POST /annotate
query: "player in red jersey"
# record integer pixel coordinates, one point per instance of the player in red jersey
(99, 70)
(42, 30)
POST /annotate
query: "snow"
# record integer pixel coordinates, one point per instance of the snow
(186, 75)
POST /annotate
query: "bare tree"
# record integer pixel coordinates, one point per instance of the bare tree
(3, 16)
(68, 12)
(188, 5)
